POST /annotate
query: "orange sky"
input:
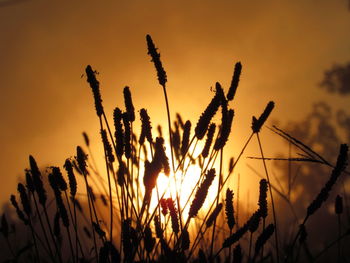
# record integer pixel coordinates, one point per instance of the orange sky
(284, 47)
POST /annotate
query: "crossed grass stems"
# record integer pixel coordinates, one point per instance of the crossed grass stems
(133, 223)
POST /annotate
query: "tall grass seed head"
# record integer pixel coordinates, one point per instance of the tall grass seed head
(258, 123)
(128, 104)
(81, 159)
(229, 210)
(201, 193)
(24, 199)
(235, 80)
(263, 198)
(95, 86)
(152, 51)
(119, 132)
(71, 177)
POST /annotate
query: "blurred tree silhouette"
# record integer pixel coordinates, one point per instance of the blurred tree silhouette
(323, 130)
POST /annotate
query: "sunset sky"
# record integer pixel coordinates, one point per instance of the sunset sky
(284, 47)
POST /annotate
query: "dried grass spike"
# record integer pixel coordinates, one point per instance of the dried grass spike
(127, 135)
(128, 104)
(86, 139)
(208, 114)
(158, 227)
(95, 86)
(173, 215)
(186, 138)
(235, 80)
(152, 51)
(213, 215)
(71, 177)
(209, 140)
(235, 237)
(126, 238)
(146, 128)
(81, 159)
(164, 206)
(231, 165)
(185, 240)
(18, 210)
(119, 132)
(38, 183)
(24, 199)
(62, 185)
(122, 172)
(29, 182)
(258, 123)
(201, 193)
(263, 198)
(225, 130)
(148, 239)
(160, 159)
(107, 146)
(229, 210)
(324, 193)
(254, 221)
(262, 239)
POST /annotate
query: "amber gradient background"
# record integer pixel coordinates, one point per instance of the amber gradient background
(45, 104)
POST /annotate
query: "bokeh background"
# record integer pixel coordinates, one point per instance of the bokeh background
(286, 48)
